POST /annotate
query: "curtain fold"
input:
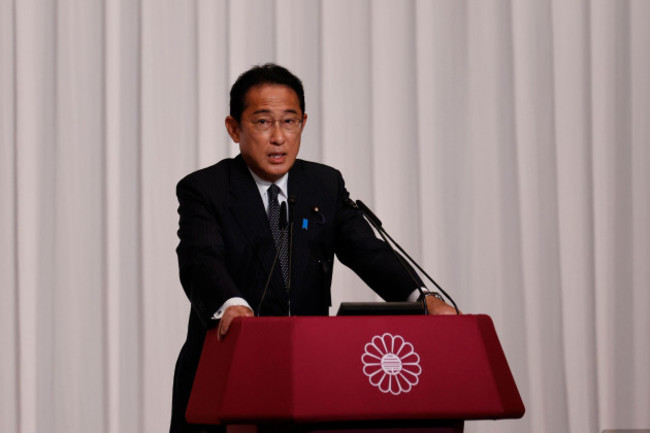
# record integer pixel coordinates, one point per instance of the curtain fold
(505, 144)
(9, 315)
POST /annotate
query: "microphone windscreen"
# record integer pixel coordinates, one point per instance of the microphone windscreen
(283, 215)
(292, 205)
(368, 213)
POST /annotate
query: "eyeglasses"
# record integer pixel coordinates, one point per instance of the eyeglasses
(290, 124)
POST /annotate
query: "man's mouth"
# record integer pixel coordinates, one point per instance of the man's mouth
(277, 156)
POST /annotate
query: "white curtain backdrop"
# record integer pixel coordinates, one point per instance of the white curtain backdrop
(504, 143)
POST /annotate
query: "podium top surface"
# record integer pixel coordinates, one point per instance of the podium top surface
(333, 369)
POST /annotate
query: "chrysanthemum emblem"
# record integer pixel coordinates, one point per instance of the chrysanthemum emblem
(391, 364)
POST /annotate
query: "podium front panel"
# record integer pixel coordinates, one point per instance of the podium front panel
(336, 369)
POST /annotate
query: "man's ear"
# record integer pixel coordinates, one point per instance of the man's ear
(233, 128)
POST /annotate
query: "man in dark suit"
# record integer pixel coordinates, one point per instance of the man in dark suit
(229, 241)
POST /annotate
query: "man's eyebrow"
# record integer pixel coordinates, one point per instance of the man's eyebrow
(267, 111)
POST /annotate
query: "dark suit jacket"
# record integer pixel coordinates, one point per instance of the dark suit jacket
(226, 250)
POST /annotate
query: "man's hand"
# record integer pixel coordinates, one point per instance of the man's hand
(229, 315)
(437, 306)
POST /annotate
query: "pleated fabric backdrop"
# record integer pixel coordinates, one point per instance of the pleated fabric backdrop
(505, 144)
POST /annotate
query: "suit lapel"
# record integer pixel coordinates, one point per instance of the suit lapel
(299, 187)
(248, 209)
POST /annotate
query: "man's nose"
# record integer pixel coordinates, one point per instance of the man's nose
(277, 134)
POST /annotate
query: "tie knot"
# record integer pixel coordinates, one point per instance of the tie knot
(273, 192)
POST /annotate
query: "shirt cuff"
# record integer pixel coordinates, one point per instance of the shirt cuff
(413, 297)
(229, 303)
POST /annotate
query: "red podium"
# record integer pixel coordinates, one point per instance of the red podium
(371, 373)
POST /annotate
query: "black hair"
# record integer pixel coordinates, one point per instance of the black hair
(268, 73)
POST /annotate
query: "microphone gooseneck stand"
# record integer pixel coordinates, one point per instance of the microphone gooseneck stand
(376, 223)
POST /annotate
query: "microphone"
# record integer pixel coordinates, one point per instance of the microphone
(283, 215)
(292, 205)
(376, 223)
(372, 218)
(368, 213)
(282, 223)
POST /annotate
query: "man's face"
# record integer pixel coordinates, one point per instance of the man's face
(269, 131)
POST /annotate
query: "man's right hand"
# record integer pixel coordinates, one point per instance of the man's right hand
(229, 315)
(439, 307)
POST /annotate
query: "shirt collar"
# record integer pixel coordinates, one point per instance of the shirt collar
(263, 185)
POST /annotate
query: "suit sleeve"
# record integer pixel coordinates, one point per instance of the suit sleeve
(201, 251)
(368, 256)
